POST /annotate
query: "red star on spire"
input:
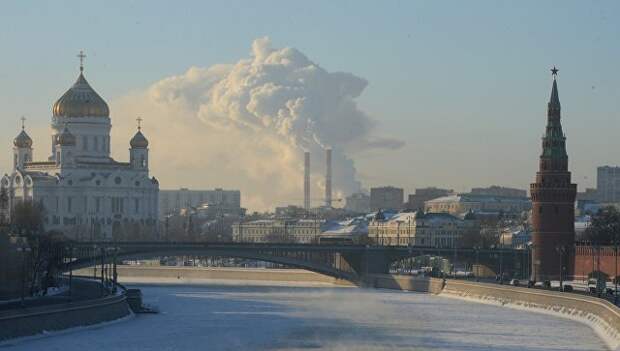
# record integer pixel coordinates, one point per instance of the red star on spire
(554, 71)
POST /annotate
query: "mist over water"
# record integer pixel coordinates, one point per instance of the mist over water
(238, 317)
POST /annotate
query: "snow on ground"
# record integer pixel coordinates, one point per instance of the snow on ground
(242, 317)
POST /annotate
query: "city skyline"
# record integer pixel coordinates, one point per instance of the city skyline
(430, 131)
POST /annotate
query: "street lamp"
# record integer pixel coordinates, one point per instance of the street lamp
(616, 269)
(70, 250)
(23, 250)
(477, 273)
(501, 261)
(561, 250)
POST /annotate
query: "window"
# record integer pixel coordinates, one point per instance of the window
(85, 142)
(540, 209)
(137, 205)
(69, 204)
(96, 143)
(97, 204)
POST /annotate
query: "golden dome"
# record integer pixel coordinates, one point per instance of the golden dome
(81, 100)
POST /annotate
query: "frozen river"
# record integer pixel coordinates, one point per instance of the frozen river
(236, 317)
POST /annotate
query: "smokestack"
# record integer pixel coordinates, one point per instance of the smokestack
(328, 178)
(307, 180)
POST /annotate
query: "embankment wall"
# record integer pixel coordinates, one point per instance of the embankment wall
(31, 321)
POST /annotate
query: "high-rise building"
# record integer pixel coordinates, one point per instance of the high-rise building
(553, 200)
(416, 201)
(608, 184)
(358, 202)
(499, 191)
(172, 201)
(387, 197)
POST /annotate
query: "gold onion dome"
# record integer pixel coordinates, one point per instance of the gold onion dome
(22, 140)
(139, 141)
(65, 138)
(81, 100)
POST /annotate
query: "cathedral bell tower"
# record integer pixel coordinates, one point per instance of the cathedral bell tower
(553, 201)
(65, 148)
(22, 148)
(139, 152)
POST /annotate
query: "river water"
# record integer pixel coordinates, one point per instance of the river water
(240, 317)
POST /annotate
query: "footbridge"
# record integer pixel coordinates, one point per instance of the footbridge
(350, 262)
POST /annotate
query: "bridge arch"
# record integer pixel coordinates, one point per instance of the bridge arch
(320, 268)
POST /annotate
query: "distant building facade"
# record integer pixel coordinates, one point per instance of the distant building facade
(608, 184)
(499, 191)
(304, 231)
(172, 201)
(358, 203)
(387, 197)
(349, 231)
(420, 229)
(416, 200)
(463, 203)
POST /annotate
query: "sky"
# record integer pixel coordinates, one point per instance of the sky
(441, 93)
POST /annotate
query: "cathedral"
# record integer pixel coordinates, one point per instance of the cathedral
(84, 192)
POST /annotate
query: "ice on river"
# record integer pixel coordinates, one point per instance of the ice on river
(241, 317)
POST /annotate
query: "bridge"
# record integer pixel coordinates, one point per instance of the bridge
(349, 262)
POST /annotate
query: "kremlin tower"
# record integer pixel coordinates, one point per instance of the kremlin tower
(553, 201)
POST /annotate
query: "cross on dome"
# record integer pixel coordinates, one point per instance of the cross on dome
(23, 119)
(139, 119)
(81, 56)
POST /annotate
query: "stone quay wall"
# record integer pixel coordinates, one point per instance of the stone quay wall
(600, 315)
(30, 321)
(167, 273)
(408, 283)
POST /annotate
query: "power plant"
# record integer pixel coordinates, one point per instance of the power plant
(307, 180)
(328, 177)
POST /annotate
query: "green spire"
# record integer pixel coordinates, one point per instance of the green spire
(554, 141)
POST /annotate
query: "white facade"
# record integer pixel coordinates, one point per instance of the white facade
(419, 229)
(463, 203)
(303, 231)
(84, 192)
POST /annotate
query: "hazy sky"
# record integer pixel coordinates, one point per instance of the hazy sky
(463, 85)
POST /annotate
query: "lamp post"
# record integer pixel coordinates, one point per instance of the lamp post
(560, 250)
(501, 260)
(616, 269)
(23, 250)
(477, 250)
(70, 250)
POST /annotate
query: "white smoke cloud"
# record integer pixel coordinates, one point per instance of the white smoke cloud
(246, 125)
